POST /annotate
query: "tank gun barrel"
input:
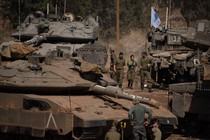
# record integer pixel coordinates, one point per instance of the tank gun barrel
(118, 93)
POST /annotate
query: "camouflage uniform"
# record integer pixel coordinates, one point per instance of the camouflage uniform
(131, 72)
(112, 62)
(137, 115)
(145, 63)
(112, 134)
(119, 66)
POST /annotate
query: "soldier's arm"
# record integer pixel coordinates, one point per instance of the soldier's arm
(139, 65)
(115, 63)
(150, 61)
(149, 114)
(128, 64)
(130, 113)
(114, 68)
(124, 65)
(135, 63)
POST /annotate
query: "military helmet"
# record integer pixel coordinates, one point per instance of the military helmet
(136, 101)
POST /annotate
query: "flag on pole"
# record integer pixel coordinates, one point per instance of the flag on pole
(155, 20)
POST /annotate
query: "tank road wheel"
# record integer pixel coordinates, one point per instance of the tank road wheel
(206, 128)
(193, 126)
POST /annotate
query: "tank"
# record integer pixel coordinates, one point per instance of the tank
(190, 100)
(48, 93)
(177, 51)
(53, 85)
(66, 28)
(78, 34)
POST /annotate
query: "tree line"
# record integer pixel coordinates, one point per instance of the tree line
(134, 14)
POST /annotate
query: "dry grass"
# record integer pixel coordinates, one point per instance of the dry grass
(132, 43)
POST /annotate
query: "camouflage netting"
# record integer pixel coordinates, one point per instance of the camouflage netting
(88, 67)
(16, 50)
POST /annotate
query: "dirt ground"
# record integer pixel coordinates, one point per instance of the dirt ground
(163, 97)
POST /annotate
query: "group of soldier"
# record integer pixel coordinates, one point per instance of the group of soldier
(139, 115)
(117, 67)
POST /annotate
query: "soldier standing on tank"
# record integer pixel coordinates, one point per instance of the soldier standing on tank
(137, 116)
(144, 66)
(119, 69)
(112, 62)
(131, 71)
(112, 134)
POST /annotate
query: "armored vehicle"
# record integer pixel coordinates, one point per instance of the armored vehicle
(191, 100)
(52, 87)
(47, 93)
(177, 51)
(61, 29)
(75, 33)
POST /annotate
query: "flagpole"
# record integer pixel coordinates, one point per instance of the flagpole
(169, 14)
(64, 10)
(166, 26)
(151, 18)
(19, 19)
(117, 26)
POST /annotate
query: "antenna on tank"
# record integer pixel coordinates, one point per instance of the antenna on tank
(56, 9)
(169, 14)
(166, 26)
(19, 19)
(64, 10)
(48, 8)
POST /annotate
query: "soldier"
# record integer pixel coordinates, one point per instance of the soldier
(112, 62)
(119, 69)
(131, 71)
(157, 134)
(145, 64)
(137, 116)
(112, 134)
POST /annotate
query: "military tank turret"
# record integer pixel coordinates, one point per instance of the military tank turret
(78, 34)
(66, 28)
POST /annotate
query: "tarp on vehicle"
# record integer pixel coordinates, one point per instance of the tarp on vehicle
(16, 50)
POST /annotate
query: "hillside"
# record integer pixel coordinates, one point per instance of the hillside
(134, 16)
(135, 41)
